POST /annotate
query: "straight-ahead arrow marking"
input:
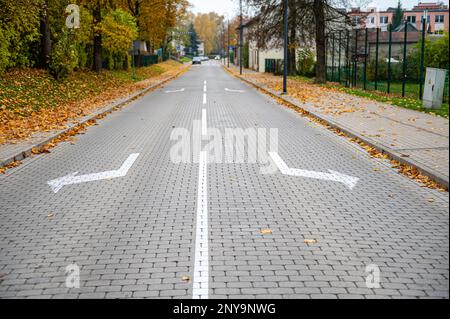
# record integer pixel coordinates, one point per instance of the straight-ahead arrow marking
(347, 180)
(175, 91)
(59, 183)
(235, 91)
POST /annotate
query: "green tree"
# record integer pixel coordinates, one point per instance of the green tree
(118, 30)
(435, 56)
(19, 30)
(397, 19)
(97, 7)
(193, 41)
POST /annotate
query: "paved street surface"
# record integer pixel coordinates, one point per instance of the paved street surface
(148, 227)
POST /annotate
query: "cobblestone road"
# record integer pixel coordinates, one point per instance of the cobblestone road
(168, 230)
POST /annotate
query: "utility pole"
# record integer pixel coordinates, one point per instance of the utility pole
(223, 44)
(241, 40)
(286, 39)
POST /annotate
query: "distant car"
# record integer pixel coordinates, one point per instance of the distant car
(197, 60)
(217, 57)
(204, 58)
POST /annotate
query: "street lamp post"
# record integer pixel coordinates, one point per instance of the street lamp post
(223, 44)
(228, 46)
(286, 39)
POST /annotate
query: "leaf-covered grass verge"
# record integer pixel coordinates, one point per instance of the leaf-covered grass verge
(31, 100)
(393, 98)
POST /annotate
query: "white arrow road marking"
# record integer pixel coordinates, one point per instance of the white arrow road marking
(59, 183)
(175, 91)
(347, 180)
(201, 263)
(234, 91)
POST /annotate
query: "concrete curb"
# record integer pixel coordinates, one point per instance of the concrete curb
(427, 171)
(26, 151)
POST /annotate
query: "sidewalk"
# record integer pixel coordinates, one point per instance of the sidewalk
(414, 138)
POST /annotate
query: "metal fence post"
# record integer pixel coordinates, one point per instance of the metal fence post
(365, 57)
(377, 57)
(389, 59)
(405, 42)
(422, 58)
(286, 40)
(347, 61)
(355, 63)
(332, 57)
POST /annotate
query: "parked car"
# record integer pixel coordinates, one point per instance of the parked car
(205, 58)
(197, 60)
(217, 57)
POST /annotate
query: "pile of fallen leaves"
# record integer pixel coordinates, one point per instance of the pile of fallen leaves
(32, 101)
(327, 99)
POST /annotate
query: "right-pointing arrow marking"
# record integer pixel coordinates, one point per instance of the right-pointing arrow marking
(234, 91)
(349, 181)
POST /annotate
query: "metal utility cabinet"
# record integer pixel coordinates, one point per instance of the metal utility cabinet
(434, 88)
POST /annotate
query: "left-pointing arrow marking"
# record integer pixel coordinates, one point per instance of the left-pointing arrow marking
(347, 180)
(59, 183)
(175, 91)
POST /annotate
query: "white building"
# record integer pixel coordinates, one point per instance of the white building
(201, 48)
(257, 56)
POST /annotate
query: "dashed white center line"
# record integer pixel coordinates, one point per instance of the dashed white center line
(201, 264)
(204, 123)
(204, 92)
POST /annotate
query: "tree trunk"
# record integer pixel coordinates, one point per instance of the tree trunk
(97, 64)
(319, 15)
(46, 42)
(292, 58)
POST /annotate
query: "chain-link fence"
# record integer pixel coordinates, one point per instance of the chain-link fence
(387, 60)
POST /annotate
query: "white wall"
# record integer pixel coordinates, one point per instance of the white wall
(257, 57)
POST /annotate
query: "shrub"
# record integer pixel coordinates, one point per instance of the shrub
(4, 54)
(64, 57)
(306, 62)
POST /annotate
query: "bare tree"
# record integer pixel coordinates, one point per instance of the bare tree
(310, 22)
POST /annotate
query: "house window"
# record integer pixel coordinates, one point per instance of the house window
(411, 19)
(439, 19)
(356, 20)
(372, 20)
(384, 20)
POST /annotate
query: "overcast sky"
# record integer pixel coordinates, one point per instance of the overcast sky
(231, 6)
